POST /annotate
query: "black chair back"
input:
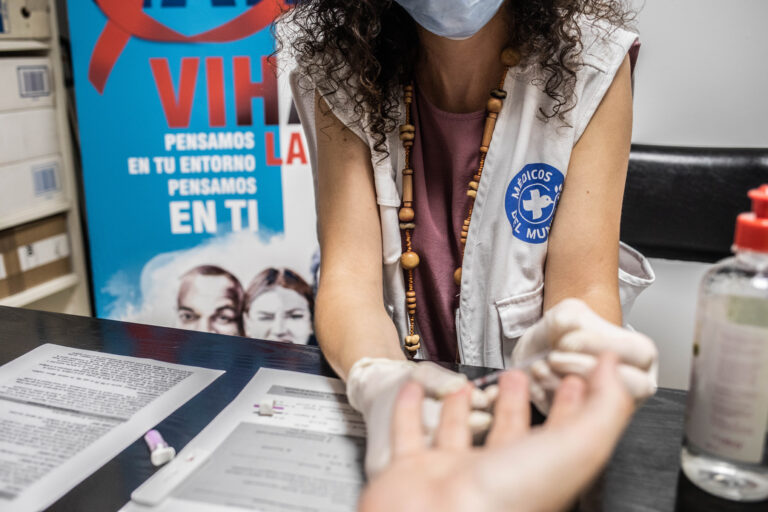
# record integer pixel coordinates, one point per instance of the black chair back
(681, 203)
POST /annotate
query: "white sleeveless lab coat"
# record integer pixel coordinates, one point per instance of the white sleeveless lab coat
(502, 281)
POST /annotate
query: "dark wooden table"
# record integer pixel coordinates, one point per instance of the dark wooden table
(643, 476)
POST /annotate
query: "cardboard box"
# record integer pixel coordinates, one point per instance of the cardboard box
(43, 251)
(11, 281)
(25, 19)
(27, 134)
(4, 290)
(25, 82)
(35, 253)
(30, 185)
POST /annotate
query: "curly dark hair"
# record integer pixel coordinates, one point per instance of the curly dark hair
(368, 49)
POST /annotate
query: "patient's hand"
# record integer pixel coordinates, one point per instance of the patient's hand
(518, 469)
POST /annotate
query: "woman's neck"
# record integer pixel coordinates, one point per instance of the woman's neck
(456, 76)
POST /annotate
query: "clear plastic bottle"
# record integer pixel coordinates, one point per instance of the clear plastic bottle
(725, 450)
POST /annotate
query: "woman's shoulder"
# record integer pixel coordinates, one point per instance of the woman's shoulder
(337, 94)
(597, 50)
(604, 44)
(604, 48)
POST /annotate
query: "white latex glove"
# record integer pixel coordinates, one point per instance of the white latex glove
(577, 335)
(373, 385)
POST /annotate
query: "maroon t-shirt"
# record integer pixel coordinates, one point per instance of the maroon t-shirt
(445, 156)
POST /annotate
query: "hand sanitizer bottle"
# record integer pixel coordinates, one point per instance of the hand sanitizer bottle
(725, 450)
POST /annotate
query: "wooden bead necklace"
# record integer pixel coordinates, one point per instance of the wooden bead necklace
(409, 260)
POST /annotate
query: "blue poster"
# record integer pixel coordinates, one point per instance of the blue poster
(198, 193)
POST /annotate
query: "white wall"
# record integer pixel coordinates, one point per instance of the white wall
(701, 80)
(666, 313)
(702, 74)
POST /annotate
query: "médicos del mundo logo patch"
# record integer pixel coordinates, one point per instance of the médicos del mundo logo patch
(531, 200)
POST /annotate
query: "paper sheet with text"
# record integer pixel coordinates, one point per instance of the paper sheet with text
(307, 455)
(65, 412)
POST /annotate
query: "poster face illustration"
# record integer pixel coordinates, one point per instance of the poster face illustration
(198, 191)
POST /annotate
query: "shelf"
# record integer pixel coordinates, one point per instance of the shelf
(46, 210)
(23, 45)
(40, 291)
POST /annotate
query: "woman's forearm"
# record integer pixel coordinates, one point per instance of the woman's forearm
(352, 324)
(602, 299)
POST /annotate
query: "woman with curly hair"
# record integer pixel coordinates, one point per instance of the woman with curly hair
(441, 133)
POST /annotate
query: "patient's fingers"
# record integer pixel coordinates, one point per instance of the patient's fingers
(609, 405)
(512, 412)
(407, 432)
(568, 402)
(453, 432)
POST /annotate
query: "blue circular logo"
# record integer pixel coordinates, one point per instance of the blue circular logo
(531, 199)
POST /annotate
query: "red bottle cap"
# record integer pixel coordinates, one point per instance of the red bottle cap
(752, 227)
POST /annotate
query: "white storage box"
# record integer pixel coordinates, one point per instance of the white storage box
(27, 134)
(24, 19)
(25, 83)
(29, 186)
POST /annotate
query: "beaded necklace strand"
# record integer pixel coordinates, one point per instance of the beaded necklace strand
(409, 259)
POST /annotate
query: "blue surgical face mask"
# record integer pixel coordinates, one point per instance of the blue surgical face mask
(454, 19)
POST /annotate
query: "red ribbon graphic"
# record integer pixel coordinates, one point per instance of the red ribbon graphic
(126, 19)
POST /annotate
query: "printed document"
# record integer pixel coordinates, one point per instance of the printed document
(65, 412)
(303, 453)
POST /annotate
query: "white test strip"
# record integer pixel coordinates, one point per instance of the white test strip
(43, 252)
(3, 273)
(152, 492)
